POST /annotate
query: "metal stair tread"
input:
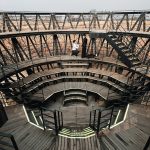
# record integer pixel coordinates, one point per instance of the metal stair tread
(75, 133)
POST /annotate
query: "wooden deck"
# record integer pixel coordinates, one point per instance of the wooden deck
(130, 135)
(74, 71)
(13, 68)
(45, 79)
(103, 79)
(26, 135)
(29, 137)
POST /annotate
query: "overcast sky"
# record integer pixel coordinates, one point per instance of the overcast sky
(73, 5)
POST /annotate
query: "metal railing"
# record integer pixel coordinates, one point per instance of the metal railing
(52, 119)
(147, 144)
(100, 119)
(126, 41)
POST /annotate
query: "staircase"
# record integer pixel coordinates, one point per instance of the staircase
(140, 92)
(64, 143)
(126, 55)
(75, 64)
(75, 96)
(75, 133)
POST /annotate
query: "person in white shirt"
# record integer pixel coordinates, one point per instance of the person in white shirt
(75, 47)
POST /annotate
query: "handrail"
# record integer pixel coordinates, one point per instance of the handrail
(101, 110)
(11, 137)
(118, 29)
(124, 118)
(99, 119)
(57, 119)
(44, 108)
(147, 144)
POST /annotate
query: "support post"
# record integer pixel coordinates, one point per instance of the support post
(43, 119)
(55, 120)
(98, 121)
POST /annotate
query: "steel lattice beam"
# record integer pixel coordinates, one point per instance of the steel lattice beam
(29, 21)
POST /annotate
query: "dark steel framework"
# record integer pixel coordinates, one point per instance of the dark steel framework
(29, 35)
(23, 21)
(137, 83)
(100, 119)
(52, 119)
(147, 144)
(44, 44)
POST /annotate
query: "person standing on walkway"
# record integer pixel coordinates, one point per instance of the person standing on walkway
(84, 46)
(75, 47)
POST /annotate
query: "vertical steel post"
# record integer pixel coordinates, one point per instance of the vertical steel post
(98, 121)
(61, 120)
(55, 120)
(43, 119)
(111, 115)
(14, 143)
(94, 119)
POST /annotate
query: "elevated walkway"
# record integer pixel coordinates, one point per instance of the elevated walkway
(94, 33)
(12, 69)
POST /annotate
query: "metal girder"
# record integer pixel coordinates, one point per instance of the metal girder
(146, 56)
(15, 21)
(28, 47)
(42, 22)
(17, 50)
(55, 45)
(132, 43)
(142, 48)
(37, 44)
(3, 58)
(7, 52)
(33, 44)
(132, 33)
(28, 33)
(27, 21)
(138, 23)
(46, 43)
(48, 24)
(79, 20)
(100, 46)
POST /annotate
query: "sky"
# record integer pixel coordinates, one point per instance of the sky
(73, 5)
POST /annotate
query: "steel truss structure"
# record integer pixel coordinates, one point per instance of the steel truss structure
(28, 46)
(30, 21)
(36, 68)
(27, 36)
